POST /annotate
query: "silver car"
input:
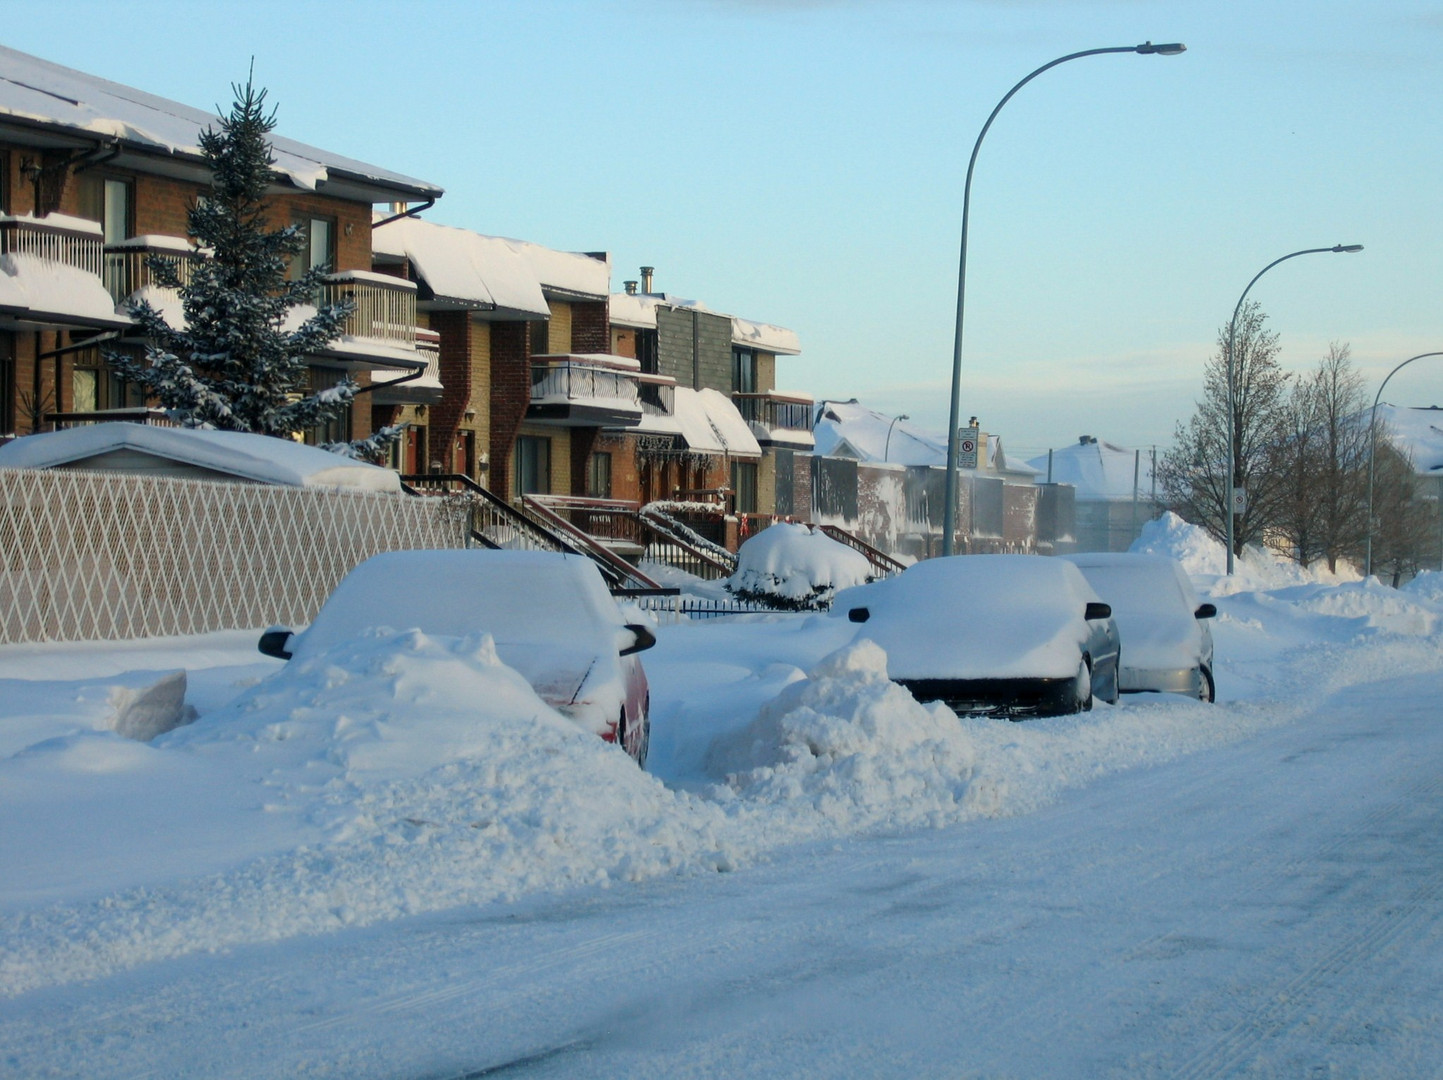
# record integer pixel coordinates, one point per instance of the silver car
(1166, 643)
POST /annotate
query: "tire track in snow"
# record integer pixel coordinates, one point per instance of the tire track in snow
(1286, 1005)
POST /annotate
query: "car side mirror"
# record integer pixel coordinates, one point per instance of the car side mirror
(275, 642)
(1096, 609)
(642, 639)
(858, 614)
(1205, 611)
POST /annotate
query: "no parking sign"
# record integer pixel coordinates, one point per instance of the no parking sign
(967, 448)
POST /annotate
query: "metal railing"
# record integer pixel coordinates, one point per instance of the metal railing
(568, 380)
(383, 311)
(128, 267)
(775, 412)
(142, 415)
(882, 563)
(547, 506)
(54, 243)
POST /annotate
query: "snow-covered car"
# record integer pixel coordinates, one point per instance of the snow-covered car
(1169, 647)
(1015, 635)
(549, 614)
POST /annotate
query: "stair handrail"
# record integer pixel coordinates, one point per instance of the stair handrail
(879, 559)
(590, 547)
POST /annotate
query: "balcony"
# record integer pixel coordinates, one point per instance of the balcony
(778, 419)
(128, 269)
(381, 331)
(585, 391)
(51, 274)
(422, 389)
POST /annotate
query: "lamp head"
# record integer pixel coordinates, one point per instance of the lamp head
(1350, 248)
(1171, 49)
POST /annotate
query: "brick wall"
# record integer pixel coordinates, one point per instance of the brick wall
(457, 366)
(558, 329)
(590, 329)
(510, 394)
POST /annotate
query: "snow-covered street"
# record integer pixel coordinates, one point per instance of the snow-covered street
(817, 878)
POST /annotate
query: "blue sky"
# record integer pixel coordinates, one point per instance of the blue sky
(802, 163)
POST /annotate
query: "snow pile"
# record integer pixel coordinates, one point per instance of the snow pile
(797, 566)
(1206, 560)
(850, 748)
(399, 773)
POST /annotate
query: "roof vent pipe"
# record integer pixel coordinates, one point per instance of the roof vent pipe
(646, 275)
(630, 287)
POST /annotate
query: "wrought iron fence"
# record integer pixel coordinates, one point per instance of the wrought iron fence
(106, 556)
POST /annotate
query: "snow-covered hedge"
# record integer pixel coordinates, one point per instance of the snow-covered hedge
(792, 566)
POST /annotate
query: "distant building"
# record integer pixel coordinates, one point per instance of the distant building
(1115, 492)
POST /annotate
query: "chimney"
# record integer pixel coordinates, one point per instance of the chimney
(630, 287)
(646, 274)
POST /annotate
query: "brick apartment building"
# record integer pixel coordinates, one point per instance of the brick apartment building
(95, 177)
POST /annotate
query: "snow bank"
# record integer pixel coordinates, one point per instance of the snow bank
(852, 748)
(794, 564)
(1206, 560)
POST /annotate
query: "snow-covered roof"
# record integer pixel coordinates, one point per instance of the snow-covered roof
(1416, 432)
(847, 429)
(633, 310)
(491, 273)
(38, 93)
(638, 310)
(252, 457)
(765, 337)
(1100, 471)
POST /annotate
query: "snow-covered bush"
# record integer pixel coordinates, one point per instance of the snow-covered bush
(793, 567)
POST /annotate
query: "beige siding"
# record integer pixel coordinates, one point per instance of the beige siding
(558, 330)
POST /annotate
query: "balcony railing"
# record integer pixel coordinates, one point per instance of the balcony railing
(427, 386)
(570, 380)
(775, 412)
(657, 394)
(127, 264)
(68, 241)
(385, 306)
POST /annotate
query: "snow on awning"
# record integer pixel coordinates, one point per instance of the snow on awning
(261, 458)
(36, 92)
(1100, 471)
(47, 292)
(710, 424)
(569, 274)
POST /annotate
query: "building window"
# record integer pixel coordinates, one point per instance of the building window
(647, 352)
(540, 338)
(109, 200)
(94, 387)
(319, 250)
(532, 472)
(744, 371)
(7, 383)
(338, 428)
(744, 486)
(598, 475)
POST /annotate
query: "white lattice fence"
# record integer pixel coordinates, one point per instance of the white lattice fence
(104, 556)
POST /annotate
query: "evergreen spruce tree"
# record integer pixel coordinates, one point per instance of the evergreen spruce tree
(234, 366)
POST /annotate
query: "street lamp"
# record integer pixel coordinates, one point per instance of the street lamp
(1233, 433)
(949, 506)
(1372, 447)
(887, 450)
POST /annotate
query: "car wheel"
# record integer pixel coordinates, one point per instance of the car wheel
(1082, 688)
(1207, 691)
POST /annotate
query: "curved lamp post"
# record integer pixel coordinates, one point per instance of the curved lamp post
(887, 450)
(949, 511)
(1372, 447)
(1232, 380)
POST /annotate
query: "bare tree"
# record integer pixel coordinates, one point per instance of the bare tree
(1325, 463)
(1193, 474)
(1403, 520)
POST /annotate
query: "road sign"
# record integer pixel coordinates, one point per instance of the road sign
(967, 448)
(1240, 501)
